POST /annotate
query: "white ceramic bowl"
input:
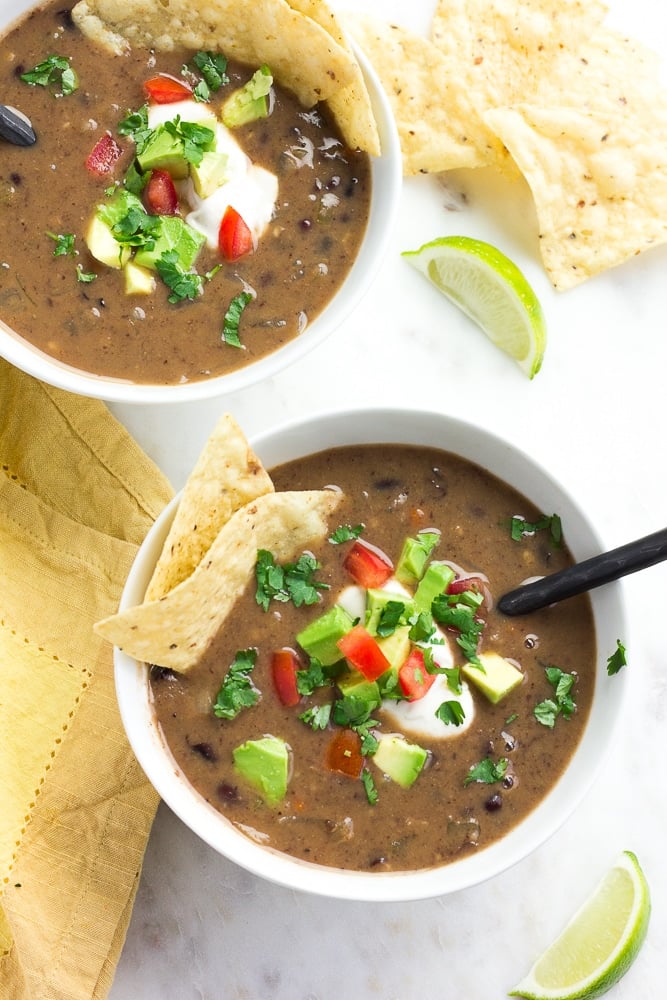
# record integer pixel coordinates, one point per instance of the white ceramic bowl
(401, 426)
(386, 188)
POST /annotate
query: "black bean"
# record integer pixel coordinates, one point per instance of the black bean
(494, 803)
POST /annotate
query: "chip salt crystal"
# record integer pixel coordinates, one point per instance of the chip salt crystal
(248, 188)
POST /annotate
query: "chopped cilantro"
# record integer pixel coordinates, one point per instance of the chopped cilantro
(352, 711)
(230, 328)
(422, 627)
(520, 527)
(212, 66)
(562, 703)
(64, 244)
(451, 712)
(84, 276)
(137, 229)
(237, 691)
(313, 677)
(292, 582)
(453, 611)
(369, 786)
(345, 533)
(453, 675)
(136, 126)
(487, 772)
(617, 660)
(317, 717)
(54, 71)
(195, 139)
(511, 718)
(390, 617)
(183, 284)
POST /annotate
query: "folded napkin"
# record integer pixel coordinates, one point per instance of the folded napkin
(77, 496)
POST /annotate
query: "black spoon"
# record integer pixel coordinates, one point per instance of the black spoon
(586, 575)
(15, 127)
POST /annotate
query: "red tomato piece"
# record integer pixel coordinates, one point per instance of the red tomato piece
(103, 156)
(368, 566)
(463, 583)
(160, 196)
(165, 89)
(413, 676)
(361, 650)
(344, 753)
(234, 237)
(284, 665)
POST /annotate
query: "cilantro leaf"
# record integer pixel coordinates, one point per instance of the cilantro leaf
(562, 703)
(351, 711)
(422, 627)
(317, 717)
(64, 244)
(137, 229)
(237, 691)
(369, 786)
(617, 660)
(183, 284)
(520, 527)
(293, 582)
(230, 327)
(390, 617)
(84, 276)
(451, 611)
(345, 533)
(54, 71)
(313, 677)
(194, 138)
(487, 772)
(136, 126)
(451, 713)
(212, 66)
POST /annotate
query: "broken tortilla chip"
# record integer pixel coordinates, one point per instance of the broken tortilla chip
(227, 476)
(599, 183)
(305, 53)
(174, 632)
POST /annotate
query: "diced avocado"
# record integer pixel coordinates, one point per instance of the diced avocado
(376, 602)
(319, 638)
(102, 245)
(173, 234)
(249, 102)
(138, 280)
(210, 174)
(414, 556)
(355, 684)
(497, 678)
(401, 760)
(117, 207)
(435, 581)
(264, 763)
(396, 647)
(164, 151)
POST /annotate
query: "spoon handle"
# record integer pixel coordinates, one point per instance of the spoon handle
(16, 128)
(586, 575)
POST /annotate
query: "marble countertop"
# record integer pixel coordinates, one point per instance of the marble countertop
(595, 415)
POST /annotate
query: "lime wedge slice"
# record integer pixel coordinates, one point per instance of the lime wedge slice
(491, 290)
(599, 944)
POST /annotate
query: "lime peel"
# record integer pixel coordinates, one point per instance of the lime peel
(600, 942)
(490, 289)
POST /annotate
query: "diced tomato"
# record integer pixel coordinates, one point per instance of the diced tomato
(160, 196)
(344, 753)
(234, 237)
(165, 89)
(103, 156)
(368, 566)
(413, 677)
(284, 665)
(361, 650)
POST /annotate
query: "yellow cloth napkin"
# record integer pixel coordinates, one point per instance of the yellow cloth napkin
(77, 496)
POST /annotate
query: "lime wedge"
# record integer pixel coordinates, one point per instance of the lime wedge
(491, 290)
(599, 944)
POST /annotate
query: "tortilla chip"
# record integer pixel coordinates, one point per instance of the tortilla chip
(424, 96)
(305, 53)
(227, 476)
(175, 631)
(599, 181)
(350, 105)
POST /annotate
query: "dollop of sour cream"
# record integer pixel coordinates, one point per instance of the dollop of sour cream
(250, 189)
(418, 718)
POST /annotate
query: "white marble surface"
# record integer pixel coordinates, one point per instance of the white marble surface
(203, 928)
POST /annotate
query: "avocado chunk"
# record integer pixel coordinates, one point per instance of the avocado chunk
(319, 638)
(435, 581)
(103, 246)
(497, 678)
(353, 684)
(264, 763)
(414, 556)
(172, 234)
(400, 760)
(164, 151)
(138, 280)
(210, 174)
(376, 602)
(249, 102)
(396, 647)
